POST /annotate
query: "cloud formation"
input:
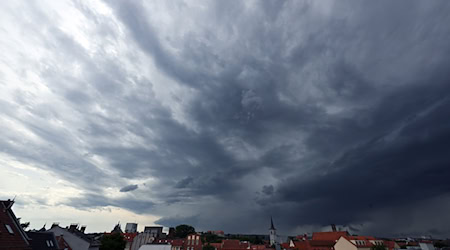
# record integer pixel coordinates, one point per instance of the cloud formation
(229, 112)
(128, 188)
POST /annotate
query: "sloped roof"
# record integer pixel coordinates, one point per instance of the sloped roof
(329, 235)
(62, 243)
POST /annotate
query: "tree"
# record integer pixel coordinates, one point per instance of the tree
(208, 247)
(181, 231)
(378, 247)
(114, 241)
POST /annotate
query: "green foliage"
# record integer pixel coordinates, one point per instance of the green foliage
(250, 238)
(113, 241)
(440, 244)
(181, 231)
(211, 238)
(208, 247)
(378, 247)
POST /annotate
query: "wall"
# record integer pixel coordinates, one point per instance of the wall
(344, 244)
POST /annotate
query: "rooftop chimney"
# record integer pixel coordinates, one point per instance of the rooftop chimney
(82, 229)
(333, 227)
(55, 224)
(73, 227)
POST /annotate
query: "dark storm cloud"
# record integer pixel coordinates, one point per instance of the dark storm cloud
(315, 113)
(129, 188)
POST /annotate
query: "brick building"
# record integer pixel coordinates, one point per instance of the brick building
(12, 236)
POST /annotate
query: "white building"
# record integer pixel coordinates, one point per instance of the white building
(131, 228)
(156, 247)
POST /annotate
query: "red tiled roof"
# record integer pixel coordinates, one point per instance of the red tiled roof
(329, 235)
(259, 247)
(283, 245)
(389, 244)
(322, 243)
(234, 244)
(314, 244)
(361, 238)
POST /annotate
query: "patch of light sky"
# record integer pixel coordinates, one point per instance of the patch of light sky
(41, 185)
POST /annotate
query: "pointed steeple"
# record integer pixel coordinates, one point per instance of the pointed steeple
(271, 224)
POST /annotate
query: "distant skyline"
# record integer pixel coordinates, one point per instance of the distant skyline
(220, 114)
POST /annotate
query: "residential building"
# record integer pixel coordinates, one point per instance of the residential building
(156, 247)
(141, 239)
(176, 244)
(12, 235)
(131, 228)
(426, 245)
(76, 239)
(306, 244)
(193, 242)
(357, 243)
(43, 241)
(129, 237)
(155, 232)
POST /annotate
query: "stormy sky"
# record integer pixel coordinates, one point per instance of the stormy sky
(220, 114)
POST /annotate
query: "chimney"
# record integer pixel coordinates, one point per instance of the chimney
(55, 224)
(82, 229)
(73, 227)
(333, 227)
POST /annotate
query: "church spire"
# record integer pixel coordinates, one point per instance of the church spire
(271, 224)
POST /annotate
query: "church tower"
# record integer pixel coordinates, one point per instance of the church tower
(272, 233)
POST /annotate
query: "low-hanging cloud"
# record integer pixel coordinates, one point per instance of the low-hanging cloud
(129, 188)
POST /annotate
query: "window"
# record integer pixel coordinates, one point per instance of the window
(8, 227)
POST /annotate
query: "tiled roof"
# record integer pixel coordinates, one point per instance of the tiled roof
(233, 244)
(322, 243)
(329, 235)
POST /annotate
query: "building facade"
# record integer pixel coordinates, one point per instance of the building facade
(131, 228)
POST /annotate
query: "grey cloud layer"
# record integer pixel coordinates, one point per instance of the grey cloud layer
(315, 113)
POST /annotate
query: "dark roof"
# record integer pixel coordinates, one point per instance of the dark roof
(41, 241)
